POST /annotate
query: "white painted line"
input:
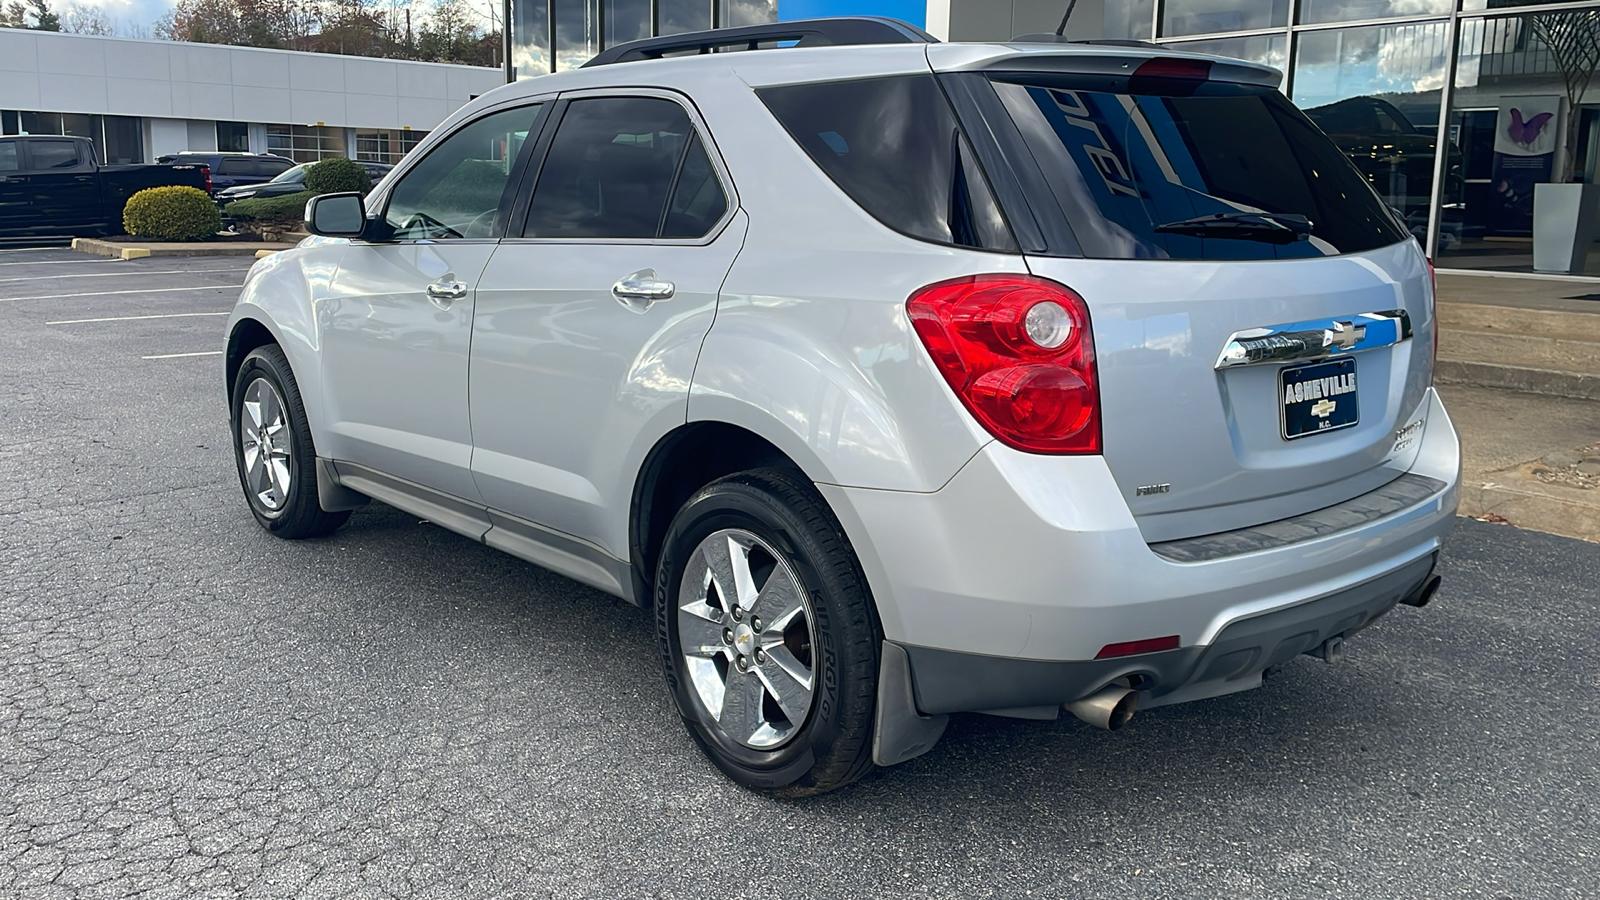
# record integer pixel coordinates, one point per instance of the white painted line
(133, 318)
(56, 262)
(206, 287)
(178, 355)
(125, 273)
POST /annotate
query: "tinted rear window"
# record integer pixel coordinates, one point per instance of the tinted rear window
(1121, 164)
(893, 145)
(54, 154)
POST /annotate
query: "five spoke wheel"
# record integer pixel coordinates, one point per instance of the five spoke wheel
(267, 444)
(746, 632)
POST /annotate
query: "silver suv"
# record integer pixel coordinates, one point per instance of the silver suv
(896, 378)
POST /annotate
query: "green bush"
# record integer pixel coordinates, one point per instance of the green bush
(172, 213)
(472, 187)
(289, 209)
(335, 176)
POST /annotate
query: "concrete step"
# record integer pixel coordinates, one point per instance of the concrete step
(1520, 350)
(1556, 383)
(1487, 318)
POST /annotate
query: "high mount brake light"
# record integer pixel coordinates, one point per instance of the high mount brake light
(1165, 74)
(1018, 352)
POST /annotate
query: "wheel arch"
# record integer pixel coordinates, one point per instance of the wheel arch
(246, 334)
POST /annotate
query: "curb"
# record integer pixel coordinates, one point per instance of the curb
(1577, 385)
(140, 251)
(1529, 503)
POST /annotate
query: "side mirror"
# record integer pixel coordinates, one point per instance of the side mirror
(336, 215)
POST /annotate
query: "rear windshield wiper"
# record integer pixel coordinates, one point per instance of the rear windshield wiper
(1273, 228)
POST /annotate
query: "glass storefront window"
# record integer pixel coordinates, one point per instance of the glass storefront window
(1129, 20)
(1180, 17)
(1376, 92)
(1525, 112)
(678, 16)
(626, 20)
(1504, 4)
(386, 146)
(1316, 11)
(305, 143)
(117, 139)
(733, 13)
(577, 32)
(582, 28)
(530, 38)
(233, 137)
(1269, 49)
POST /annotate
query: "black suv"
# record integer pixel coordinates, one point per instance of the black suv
(232, 169)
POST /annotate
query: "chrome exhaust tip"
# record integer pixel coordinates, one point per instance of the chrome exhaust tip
(1423, 594)
(1110, 708)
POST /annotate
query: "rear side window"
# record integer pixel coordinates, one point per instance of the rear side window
(54, 154)
(893, 145)
(1214, 171)
(235, 166)
(8, 157)
(274, 166)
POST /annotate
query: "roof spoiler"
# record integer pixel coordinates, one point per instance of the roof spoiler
(832, 32)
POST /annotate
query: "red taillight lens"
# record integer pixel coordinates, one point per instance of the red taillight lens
(207, 171)
(1165, 74)
(1017, 350)
(1433, 316)
(1133, 648)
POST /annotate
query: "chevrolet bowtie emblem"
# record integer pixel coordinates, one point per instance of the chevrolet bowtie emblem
(1344, 335)
(1323, 408)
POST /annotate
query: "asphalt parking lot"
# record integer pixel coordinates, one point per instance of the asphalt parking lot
(192, 708)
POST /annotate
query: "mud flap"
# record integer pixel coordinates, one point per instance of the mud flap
(900, 732)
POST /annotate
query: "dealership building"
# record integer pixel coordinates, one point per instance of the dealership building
(139, 99)
(1505, 87)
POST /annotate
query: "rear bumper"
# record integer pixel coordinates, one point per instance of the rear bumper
(1015, 574)
(946, 681)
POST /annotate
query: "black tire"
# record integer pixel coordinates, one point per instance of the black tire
(833, 746)
(299, 515)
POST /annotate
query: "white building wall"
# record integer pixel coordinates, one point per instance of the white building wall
(71, 73)
(164, 136)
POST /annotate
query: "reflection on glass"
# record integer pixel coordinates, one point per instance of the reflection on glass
(530, 35)
(734, 13)
(1210, 16)
(626, 20)
(678, 16)
(577, 32)
(1375, 91)
(1514, 101)
(1503, 4)
(1314, 11)
(1269, 49)
(1130, 20)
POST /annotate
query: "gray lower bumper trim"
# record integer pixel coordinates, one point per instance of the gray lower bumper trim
(1406, 491)
(946, 681)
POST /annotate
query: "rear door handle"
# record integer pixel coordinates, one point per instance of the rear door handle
(641, 289)
(444, 292)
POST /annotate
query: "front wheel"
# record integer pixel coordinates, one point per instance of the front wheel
(768, 636)
(273, 450)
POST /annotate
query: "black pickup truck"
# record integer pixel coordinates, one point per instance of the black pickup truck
(52, 185)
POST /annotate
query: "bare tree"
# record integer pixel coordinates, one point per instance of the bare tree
(87, 20)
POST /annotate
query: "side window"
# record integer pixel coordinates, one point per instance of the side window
(272, 168)
(611, 170)
(233, 165)
(892, 144)
(454, 192)
(697, 198)
(8, 157)
(54, 154)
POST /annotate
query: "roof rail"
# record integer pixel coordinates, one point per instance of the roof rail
(804, 32)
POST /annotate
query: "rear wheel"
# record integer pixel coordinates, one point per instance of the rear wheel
(767, 635)
(273, 450)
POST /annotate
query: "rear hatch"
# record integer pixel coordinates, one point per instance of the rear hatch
(1262, 323)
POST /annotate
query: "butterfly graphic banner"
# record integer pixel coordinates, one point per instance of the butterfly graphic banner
(1525, 143)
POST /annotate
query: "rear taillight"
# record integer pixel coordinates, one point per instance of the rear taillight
(1017, 351)
(1433, 316)
(206, 171)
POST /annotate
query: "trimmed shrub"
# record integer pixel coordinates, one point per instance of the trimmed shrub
(289, 209)
(335, 176)
(172, 213)
(473, 186)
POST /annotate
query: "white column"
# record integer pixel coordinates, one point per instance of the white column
(939, 19)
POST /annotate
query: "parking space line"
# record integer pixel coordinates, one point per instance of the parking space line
(179, 355)
(133, 318)
(204, 287)
(57, 262)
(125, 273)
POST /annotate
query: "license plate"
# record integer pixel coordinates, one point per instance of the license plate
(1318, 397)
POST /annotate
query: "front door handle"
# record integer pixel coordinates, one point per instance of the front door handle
(641, 289)
(445, 292)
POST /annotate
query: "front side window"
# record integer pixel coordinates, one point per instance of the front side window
(54, 154)
(625, 167)
(455, 191)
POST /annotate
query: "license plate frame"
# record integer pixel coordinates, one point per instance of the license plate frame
(1316, 398)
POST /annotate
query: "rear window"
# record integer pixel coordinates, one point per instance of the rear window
(892, 144)
(54, 154)
(1214, 171)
